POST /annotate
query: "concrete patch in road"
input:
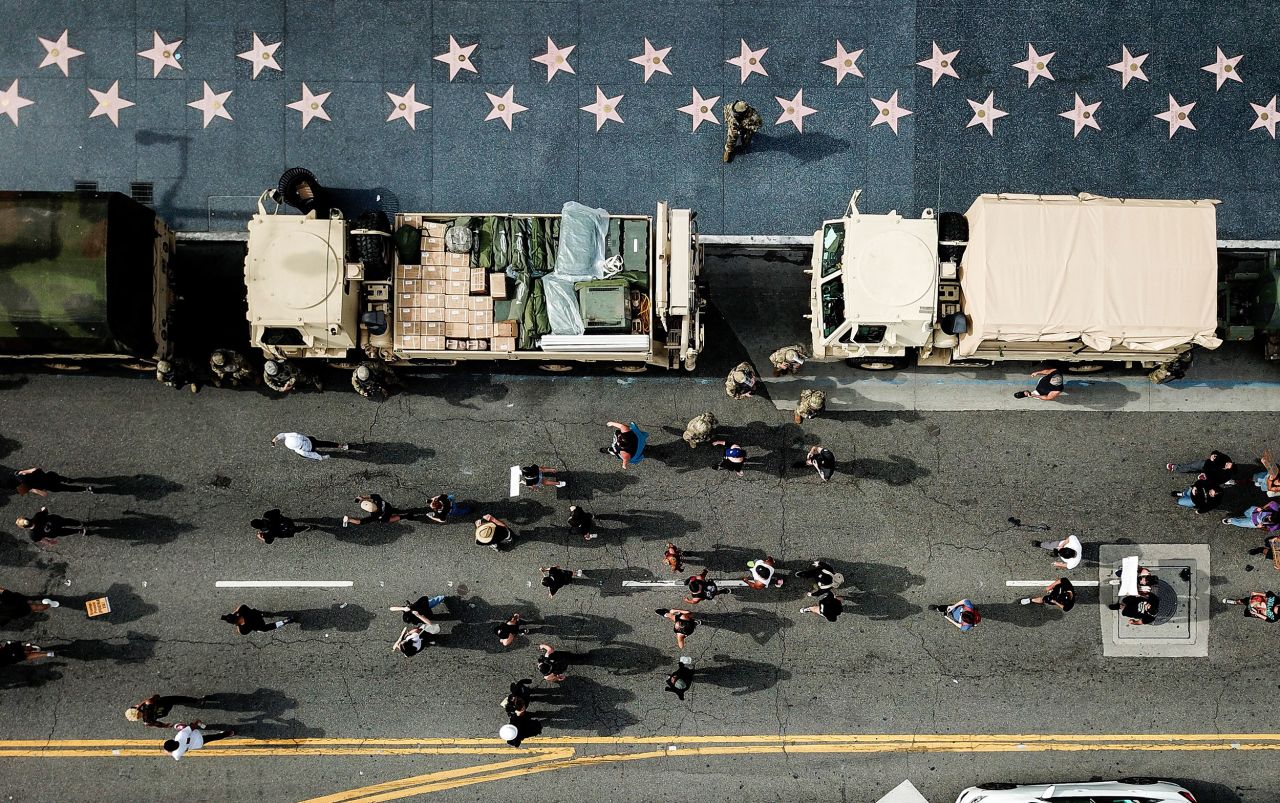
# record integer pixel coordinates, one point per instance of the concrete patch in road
(1181, 628)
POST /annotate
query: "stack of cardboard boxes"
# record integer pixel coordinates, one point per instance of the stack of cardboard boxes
(445, 304)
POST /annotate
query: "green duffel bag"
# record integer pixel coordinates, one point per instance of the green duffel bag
(408, 244)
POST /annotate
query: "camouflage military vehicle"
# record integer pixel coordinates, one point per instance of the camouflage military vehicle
(83, 276)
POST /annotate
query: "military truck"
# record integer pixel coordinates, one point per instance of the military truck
(83, 276)
(1080, 280)
(432, 288)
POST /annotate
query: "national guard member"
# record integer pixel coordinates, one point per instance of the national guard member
(372, 381)
(788, 359)
(282, 376)
(741, 122)
(176, 374)
(811, 403)
(741, 381)
(230, 367)
(699, 429)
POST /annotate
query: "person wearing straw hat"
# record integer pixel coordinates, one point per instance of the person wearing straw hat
(493, 532)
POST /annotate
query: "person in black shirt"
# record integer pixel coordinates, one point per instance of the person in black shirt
(442, 506)
(45, 527)
(508, 630)
(829, 607)
(582, 523)
(1059, 593)
(700, 588)
(1047, 389)
(251, 620)
(154, 709)
(1141, 609)
(379, 510)
(554, 578)
(685, 624)
(41, 482)
(1201, 496)
(16, 606)
(679, 681)
(551, 664)
(275, 524)
(1218, 468)
(517, 701)
(823, 461)
(15, 652)
(625, 443)
(824, 577)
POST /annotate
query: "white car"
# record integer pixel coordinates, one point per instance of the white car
(1131, 790)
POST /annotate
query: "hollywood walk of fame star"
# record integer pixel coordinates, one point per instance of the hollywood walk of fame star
(702, 110)
(261, 55)
(652, 59)
(406, 107)
(1036, 65)
(458, 57)
(310, 105)
(604, 108)
(556, 59)
(1267, 116)
(59, 52)
(1226, 69)
(162, 54)
(1129, 66)
(889, 112)
(1178, 116)
(11, 101)
(794, 111)
(985, 113)
(940, 63)
(109, 104)
(504, 106)
(748, 61)
(844, 62)
(1084, 115)
(213, 104)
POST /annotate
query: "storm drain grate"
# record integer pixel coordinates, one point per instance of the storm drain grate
(143, 192)
(86, 186)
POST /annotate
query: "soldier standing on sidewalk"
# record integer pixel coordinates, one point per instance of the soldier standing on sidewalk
(741, 122)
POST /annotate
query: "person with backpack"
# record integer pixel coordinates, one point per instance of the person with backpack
(963, 614)
(582, 523)
(679, 681)
(700, 588)
(442, 506)
(536, 476)
(1265, 517)
(762, 574)
(380, 512)
(684, 622)
(829, 607)
(735, 457)
(517, 700)
(824, 577)
(628, 443)
(551, 664)
(1060, 593)
(1068, 551)
(741, 381)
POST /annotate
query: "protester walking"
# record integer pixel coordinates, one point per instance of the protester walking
(733, 459)
(536, 476)
(821, 460)
(1139, 609)
(673, 558)
(415, 639)
(15, 652)
(763, 574)
(582, 523)
(193, 737)
(1259, 517)
(1268, 480)
(1047, 389)
(963, 614)
(44, 527)
(628, 443)
(551, 664)
(824, 577)
(684, 623)
(1258, 605)
(275, 524)
(1060, 594)
(442, 506)
(251, 620)
(17, 606)
(700, 588)
(517, 700)
(681, 680)
(829, 606)
(519, 727)
(41, 483)
(1068, 551)
(509, 630)
(493, 532)
(419, 611)
(1218, 468)
(380, 512)
(307, 446)
(152, 711)
(554, 578)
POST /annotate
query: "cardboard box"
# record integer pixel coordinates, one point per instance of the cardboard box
(433, 286)
(410, 315)
(455, 302)
(432, 329)
(430, 300)
(434, 314)
(457, 260)
(433, 270)
(407, 286)
(455, 344)
(498, 285)
(433, 243)
(506, 329)
(482, 316)
(411, 220)
(461, 288)
(458, 330)
(409, 272)
(477, 345)
(405, 327)
(457, 315)
(430, 229)
(405, 341)
(504, 344)
(481, 330)
(480, 303)
(404, 300)
(431, 343)
(458, 273)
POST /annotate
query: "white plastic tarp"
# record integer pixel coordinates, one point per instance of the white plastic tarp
(1140, 275)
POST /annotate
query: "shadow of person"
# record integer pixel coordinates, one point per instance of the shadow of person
(1095, 395)
(881, 586)
(139, 528)
(126, 606)
(624, 658)
(613, 587)
(385, 453)
(518, 512)
(743, 676)
(577, 626)
(144, 487)
(586, 705)
(760, 624)
(136, 648)
(724, 560)
(7, 447)
(647, 525)
(1015, 613)
(811, 147)
(374, 533)
(477, 618)
(872, 419)
(678, 456)
(345, 617)
(458, 391)
(28, 675)
(586, 484)
(894, 471)
(268, 708)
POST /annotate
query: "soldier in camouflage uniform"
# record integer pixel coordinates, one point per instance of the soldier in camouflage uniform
(741, 381)
(229, 366)
(282, 376)
(788, 359)
(741, 122)
(372, 381)
(699, 430)
(811, 403)
(176, 374)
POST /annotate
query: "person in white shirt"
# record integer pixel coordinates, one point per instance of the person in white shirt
(307, 446)
(192, 737)
(1068, 551)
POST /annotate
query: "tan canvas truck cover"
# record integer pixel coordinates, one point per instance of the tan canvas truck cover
(1138, 275)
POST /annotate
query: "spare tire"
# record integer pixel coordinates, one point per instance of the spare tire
(372, 248)
(953, 227)
(299, 188)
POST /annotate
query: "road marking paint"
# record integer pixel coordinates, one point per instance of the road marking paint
(283, 584)
(1043, 583)
(679, 583)
(404, 787)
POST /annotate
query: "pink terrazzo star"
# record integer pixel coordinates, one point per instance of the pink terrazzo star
(556, 59)
(261, 55)
(59, 52)
(1129, 66)
(844, 62)
(1177, 116)
(109, 104)
(702, 110)
(748, 61)
(11, 102)
(1083, 115)
(985, 113)
(652, 59)
(604, 108)
(458, 57)
(889, 112)
(940, 63)
(162, 54)
(213, 104)
(794, 111)
(504, 106)
(1036, 65)
(1225, 69)
(310, 105)
(1267, 116)
(406, 107)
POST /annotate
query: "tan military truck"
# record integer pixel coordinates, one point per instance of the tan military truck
(452, 287)
(1082, 280)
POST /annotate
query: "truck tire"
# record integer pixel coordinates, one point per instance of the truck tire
(371, 247)
(1086, 367)
(996, 787)
(1140, 781)
(555, 367)
(953, 227)
(631, 368)
(877, 363)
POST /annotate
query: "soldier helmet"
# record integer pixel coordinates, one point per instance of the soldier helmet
(362, 373)
(218, 358)
(271, 368)
(163, 367)
(740, 107)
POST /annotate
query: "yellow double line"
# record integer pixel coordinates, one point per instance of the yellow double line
(545, 754)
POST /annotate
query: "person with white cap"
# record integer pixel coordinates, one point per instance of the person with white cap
(307, 446)
(519, 727)
(192, 737)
